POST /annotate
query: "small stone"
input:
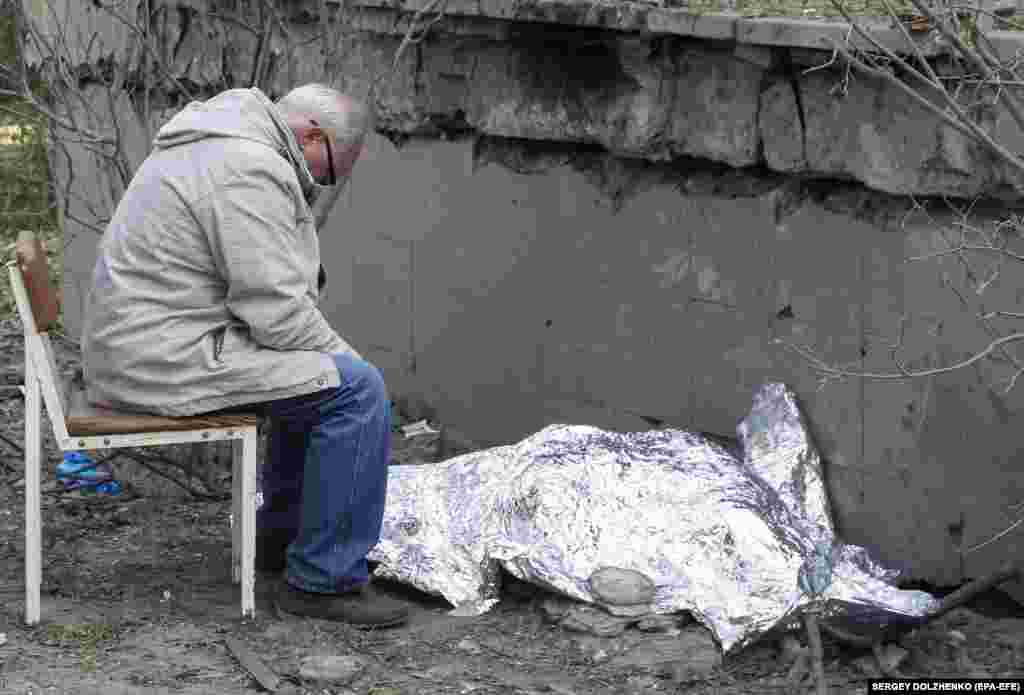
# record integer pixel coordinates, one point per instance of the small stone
(341, 668)
(689, 655)
(642, 684)
(554, 609)
(622, 587)
(659, 623)
(594, 621)
(892, 656)
(596, 649)
(468, 645)
(789, 649)
(639, 610)
(868, 666)
(387, 690)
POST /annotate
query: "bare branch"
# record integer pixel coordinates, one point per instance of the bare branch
(439, 6)
(966, 247)
(839, 372)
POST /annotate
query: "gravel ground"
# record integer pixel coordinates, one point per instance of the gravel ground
(137, 598)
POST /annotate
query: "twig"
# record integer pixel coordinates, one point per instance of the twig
(816, 652)
(267, 679)
(407, 39)
(154, 469)
(838, 372)
(968, 591)
(12, 444)
(879, 653)
(966, 247)
(980, 61)
(849, 638)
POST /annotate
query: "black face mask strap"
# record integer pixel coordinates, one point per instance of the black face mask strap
(330, 158)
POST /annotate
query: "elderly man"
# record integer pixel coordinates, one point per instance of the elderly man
(204, 298)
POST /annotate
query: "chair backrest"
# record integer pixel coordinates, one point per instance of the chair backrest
(37, 307)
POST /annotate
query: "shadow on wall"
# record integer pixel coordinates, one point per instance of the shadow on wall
(620, 179)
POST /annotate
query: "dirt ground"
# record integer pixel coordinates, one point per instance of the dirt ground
(137, 598)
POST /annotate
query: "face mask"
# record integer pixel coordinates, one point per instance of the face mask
(321, 199)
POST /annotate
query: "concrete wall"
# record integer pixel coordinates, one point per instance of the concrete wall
(508, 302)
(596, 292)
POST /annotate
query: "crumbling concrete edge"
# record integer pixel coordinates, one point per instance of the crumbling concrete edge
(645, 18)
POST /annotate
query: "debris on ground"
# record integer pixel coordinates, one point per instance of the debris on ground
(337, 669)
(419, 429)
(108, 561)
(267, 679)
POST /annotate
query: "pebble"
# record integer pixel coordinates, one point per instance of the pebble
(341, 668)
(643, 684)
(893, 655)
(789, 649)
(689, 655)
(468, 645)
(583, 618)
(638, 610)
(868, 666)
(662, 623)
(597, 649)
(554, 609)
(622, 587)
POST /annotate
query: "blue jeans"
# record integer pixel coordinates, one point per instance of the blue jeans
(325, 477)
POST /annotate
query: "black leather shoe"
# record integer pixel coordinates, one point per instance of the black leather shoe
(271, 550)
(362, 607)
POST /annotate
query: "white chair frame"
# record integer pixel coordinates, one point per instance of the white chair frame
(41, 380)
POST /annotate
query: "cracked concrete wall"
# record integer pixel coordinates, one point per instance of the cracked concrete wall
(537, 303)
(573, 225)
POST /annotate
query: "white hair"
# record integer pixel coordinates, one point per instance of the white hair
(345, 117)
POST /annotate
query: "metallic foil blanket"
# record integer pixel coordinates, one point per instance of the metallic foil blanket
(741, 539)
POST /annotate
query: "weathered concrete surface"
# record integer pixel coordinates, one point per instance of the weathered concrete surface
(534, 304)
(642, 96)
(612, 290)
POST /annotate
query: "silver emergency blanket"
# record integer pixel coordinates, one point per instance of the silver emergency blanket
(741, 539)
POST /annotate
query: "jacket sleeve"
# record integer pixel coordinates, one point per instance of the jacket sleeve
(254, 239)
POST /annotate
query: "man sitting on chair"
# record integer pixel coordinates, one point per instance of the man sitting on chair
(204, 298)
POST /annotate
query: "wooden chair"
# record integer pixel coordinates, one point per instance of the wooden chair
(78, 425)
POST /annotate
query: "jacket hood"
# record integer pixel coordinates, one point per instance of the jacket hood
(236, 113)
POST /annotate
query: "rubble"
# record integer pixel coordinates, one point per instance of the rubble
(592, 620)
(636, 610)
(663, 623)
(340, 669)
(622, 587)
(692, 652)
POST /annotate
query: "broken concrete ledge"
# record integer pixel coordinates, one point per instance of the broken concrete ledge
(817, 33)
(749, 101)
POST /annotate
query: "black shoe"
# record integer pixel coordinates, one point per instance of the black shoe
(362, 607)
(272, 550)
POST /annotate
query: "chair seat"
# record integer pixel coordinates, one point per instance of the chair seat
(84, 419)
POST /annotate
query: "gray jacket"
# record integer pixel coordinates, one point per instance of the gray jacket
(204, 295)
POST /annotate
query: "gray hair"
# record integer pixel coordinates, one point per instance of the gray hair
(345, 117)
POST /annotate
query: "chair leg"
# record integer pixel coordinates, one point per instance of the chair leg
(236, 509)
(245, 453)
(33, 516)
